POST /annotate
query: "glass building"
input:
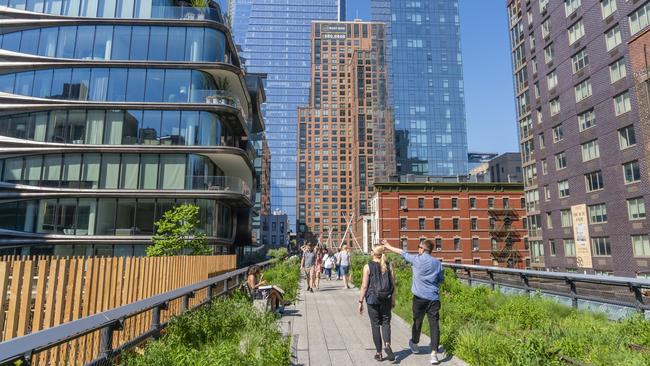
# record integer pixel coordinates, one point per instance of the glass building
(426, 78)
(274, 36)
(95, 144)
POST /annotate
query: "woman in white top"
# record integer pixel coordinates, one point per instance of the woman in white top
(328, 264)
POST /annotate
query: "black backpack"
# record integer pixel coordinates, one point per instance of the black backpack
(381, 283)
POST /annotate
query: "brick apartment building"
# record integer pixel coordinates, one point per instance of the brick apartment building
(471, 223)
(345, 134)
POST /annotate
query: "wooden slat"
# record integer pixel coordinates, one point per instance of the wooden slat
(25, 293)
(4, 283)
(11, 326)
(39, 303)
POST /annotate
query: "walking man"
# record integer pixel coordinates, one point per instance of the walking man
(427, 276)
(307, 265)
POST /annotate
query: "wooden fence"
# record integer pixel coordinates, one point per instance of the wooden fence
(41, 292)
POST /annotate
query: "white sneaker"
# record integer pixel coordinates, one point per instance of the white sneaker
(414, 347)
(434, 358)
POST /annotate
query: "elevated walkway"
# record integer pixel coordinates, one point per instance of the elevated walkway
(328, 330)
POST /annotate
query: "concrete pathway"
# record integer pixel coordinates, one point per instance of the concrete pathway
(328, 330)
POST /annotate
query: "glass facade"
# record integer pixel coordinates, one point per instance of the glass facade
(426, 78)
(107, 42)
(72, 171)
(275, 37)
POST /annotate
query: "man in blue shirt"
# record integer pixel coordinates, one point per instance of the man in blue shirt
(427, 276)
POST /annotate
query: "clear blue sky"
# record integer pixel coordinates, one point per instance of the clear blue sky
(489, 95)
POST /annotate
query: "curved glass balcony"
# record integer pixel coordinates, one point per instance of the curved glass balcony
(121, 42)
(120, 171)
(121, 127)
(108, 216)
(138, 9)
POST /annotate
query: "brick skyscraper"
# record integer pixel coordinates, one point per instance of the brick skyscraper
(345, 138)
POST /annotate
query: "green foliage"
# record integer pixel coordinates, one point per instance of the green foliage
(230, 332)
(478, 323)
(199, 3)
(177, 233)
(278, 253)
(286, 275)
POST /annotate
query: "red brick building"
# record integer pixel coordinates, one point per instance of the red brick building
(470, 223)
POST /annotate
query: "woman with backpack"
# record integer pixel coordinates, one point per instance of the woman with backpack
(378, 289)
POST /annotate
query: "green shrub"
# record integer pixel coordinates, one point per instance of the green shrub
(477, 323)
(229, 332)
(277, 253)
(286, 275)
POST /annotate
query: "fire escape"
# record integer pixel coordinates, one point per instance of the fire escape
(503, 231)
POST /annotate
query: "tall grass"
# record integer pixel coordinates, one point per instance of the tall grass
(230, 332)
(480, 324)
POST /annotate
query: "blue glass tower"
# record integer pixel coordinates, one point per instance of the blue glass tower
(426, 77)
(275, 37)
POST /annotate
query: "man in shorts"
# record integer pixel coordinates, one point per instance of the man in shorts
(308, 266)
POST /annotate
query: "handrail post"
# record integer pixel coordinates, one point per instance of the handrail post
(106, 340)
(524, 279)
(574, 292)
(155, 318)
(492, 283)
(639, 297)
(186, 302)
(469, 276)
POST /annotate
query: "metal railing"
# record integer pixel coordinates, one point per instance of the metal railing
(219, 183)
(579, 289)
(108, 324)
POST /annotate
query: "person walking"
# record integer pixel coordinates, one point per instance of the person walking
(318, 268)
(427, 277)
(307, 266)
(337, 262)
(378, 289)
(328, 263)
(344, 263)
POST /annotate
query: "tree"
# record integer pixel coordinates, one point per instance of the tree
(177, 233)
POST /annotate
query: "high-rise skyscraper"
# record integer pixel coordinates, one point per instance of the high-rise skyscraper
(426, 85)
(105, 124)
(582, 147)
(274, 36)
(345, 134)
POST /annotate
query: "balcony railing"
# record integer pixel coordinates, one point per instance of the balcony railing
(219, 183)
(185, 13)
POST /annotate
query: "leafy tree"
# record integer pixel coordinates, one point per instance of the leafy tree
(177, 233)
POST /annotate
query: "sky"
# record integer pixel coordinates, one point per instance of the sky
(489, 94)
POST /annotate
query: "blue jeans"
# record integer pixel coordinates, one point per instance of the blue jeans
(328, 273)
(338, 271)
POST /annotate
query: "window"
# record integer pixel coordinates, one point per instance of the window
(551, 245)
(558, 133)
(474, 222)
(583, 90)
(475, 246)
(551, 80)
(436, 202)
(608, 7)
(421, 224)
(601, 247)
(563, 188)
(547, 193)
(576, 31)
(454, 202)
(617, 70)
(622, 103)
(543, 4)
(456, 223)
(542, 144)
(549, 220)
(586, 120)
(560, 160)
(490, 202)
(546, 28)
(631, 172)
(571, 5)
(640, 18)
(554, 106)
(402, 223)
(472, 202)
(522, 202)
(457, 244)
(636, 208)
(402, 202)
(569, 248)
(548, 55)
(436, 223)
(597, 213)
(565, 218)
(594, 181)
(404, 243)
(580, 60)
(626, 137)
(590, 150)
(420, 202)
(438, 242)
(641, 245)
(544, 167)
(613, 38)
(506, 202)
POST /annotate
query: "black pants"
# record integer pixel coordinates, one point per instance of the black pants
(380, 317)
(430, 308)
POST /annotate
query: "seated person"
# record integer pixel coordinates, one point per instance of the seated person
(257, 289)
